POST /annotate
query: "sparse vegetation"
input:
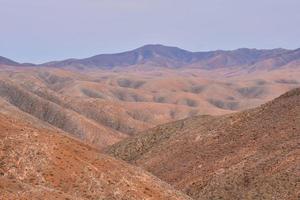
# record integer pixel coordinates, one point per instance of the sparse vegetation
(251, 92)
(285, 81)
(130, 83)
(228, 105)
(92, 93)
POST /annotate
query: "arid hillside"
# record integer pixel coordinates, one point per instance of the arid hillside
(252, 154)
(56, 115)
(102, 107)
(39, 163)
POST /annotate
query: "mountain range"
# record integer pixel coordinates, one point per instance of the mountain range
(173, 57)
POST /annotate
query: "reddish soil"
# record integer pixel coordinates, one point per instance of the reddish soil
(252, 154)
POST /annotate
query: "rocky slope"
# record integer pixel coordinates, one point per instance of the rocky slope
(253, 154)
(39, 163)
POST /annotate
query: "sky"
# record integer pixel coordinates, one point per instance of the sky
(44, 30)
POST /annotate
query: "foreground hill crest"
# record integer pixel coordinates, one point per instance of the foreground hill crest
(252, 154)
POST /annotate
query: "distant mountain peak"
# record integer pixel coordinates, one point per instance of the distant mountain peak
(146, 46)
(158, 47)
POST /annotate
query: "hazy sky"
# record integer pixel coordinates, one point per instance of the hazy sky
(43, 30)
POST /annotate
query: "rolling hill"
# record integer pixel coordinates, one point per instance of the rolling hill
(114, 96)
(102, 107)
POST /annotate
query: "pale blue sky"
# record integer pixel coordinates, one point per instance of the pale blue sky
(44, 30)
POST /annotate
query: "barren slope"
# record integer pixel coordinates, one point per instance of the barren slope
(248, 155)
(67, 120)
(36, 163)
(104, 106)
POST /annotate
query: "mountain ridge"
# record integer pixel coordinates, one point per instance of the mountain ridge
(158, 55)
(172, 57)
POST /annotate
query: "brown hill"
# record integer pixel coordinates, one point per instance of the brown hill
(104, 106)
(39, 163)
(248, 155)
(58, 116)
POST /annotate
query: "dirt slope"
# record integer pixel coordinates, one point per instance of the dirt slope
(36, 163)
(248, 155)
